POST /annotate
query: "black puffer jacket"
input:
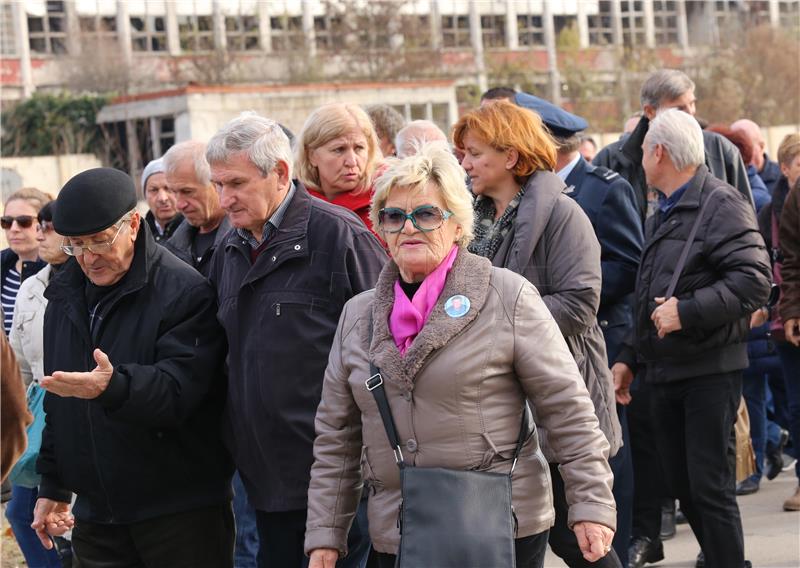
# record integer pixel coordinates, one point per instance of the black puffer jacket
(149, 445)
(725, 279)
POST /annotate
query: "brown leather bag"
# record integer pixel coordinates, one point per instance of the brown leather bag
(745, 456)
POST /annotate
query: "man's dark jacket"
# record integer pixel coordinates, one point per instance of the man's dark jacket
(149, 445)
(725, 279)
(280, 314)
(181, 242)
(169, 229)
(625, 157)
(609, 202)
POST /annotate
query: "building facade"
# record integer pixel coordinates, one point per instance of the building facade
(156, 43)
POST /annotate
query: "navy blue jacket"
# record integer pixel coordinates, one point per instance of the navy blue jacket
(610, 203)
(280, 314)
(770, 173)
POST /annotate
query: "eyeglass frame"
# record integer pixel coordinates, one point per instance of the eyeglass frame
(45, 226)
(69, 250)
(31, 219)
(410, 217)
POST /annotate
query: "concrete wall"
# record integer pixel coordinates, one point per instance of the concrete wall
(48, 173)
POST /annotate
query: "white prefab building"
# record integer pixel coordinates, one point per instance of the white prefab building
(154, 121)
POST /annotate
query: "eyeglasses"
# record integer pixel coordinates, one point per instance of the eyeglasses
(425, 218)
(94, 248)
(45, 226)
(24, 221)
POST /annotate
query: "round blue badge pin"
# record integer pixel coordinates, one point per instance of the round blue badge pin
(456, 306)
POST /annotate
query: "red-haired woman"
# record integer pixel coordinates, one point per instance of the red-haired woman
(524, 222)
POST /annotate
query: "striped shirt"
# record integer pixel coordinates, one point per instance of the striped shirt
(8, 295)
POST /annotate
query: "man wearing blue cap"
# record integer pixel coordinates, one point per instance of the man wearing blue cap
(609, 202)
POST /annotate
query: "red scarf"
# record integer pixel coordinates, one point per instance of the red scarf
(358, 203)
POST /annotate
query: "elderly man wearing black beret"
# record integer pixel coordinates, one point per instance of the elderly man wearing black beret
(133, 361)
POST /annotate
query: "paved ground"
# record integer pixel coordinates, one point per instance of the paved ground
(771, 535)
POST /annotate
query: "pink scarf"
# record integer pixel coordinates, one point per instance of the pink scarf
(408, 316)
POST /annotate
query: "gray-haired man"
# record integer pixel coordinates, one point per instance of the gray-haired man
(189, 178)
(691, 343)
(282, 278)
(670, 88)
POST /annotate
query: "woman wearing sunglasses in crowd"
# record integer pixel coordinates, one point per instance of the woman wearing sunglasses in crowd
(525, 222)
(26, 340)
(461, 346)
(21, 259)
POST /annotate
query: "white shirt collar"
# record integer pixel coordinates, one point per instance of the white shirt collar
(566, 170)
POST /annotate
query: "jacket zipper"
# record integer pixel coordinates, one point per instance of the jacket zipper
(91, 433)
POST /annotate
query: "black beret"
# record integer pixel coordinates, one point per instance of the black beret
(92, 201)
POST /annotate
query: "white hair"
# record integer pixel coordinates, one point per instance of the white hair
(185, 151)
(262, 139)
(415, 134)
(680, 135)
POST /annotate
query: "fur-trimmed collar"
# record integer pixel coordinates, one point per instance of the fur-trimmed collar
(469, 277)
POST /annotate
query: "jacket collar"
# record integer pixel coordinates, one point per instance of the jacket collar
(185, 233)
(542, 191)
(632, 146)
(469, 277)
(689, 200)
(293, 226)
(575, 178)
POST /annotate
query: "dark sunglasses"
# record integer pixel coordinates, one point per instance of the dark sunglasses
(425, 218)
(24, 221)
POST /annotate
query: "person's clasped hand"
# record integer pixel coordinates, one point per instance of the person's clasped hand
(594, 539)
(666, 317)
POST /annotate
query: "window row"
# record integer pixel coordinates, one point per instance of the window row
(375, 28)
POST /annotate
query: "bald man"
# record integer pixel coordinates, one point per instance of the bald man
(416, 133)
(768, 170)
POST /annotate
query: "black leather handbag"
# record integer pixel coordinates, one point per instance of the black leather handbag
(451, 518)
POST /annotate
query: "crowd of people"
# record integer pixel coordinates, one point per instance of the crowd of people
(208, 369)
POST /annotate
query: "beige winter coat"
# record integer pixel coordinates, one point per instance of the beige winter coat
(457, 397)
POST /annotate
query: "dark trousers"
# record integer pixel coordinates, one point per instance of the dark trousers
(529, 551)
(790, 359)
(280, 539)
(202, 538)
(562, 540)
(648, 478)
(622, 468)
(695, 442)
(755, 382)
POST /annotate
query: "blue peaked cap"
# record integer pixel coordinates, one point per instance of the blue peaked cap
(560, 122)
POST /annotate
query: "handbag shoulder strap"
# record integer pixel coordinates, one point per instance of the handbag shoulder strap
(673, 283)
(374, 384)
